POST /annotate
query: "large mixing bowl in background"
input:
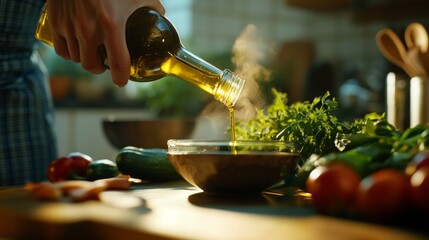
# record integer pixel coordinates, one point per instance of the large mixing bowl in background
(146, 133)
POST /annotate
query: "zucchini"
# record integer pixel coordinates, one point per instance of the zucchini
(146, 164)
(100, 169)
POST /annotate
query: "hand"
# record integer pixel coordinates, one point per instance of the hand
(79, 27)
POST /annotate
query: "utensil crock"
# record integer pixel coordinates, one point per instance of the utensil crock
(419, 100)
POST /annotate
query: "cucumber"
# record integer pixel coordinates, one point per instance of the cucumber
(100, 169)
(146, 164)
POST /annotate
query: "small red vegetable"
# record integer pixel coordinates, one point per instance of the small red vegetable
(333, 188)
(70, 167)
(383, 195)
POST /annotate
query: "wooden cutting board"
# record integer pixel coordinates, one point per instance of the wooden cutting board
(178, 211)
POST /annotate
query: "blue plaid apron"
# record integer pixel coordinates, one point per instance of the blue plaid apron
(27, 140)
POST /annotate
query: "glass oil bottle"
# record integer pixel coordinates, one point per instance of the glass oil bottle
(156, 51)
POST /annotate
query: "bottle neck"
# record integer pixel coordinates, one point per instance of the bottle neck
(229, 88)
(196, 62)
(223, 85)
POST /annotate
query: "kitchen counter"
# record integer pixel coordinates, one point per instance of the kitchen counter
(179, 211)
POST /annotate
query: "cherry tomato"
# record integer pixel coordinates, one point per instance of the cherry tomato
(419, 182)
(383, 195)
(333, 188)
(71, 166)
(421, 159)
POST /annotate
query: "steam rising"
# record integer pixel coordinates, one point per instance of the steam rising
(249, 51)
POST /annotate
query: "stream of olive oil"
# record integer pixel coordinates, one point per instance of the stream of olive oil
(232, 128)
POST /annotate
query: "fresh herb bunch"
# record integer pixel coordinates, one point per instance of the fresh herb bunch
(311, 126)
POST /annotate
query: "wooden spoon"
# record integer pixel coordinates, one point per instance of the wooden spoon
(416, 37)
(418, 61)
(393, 49)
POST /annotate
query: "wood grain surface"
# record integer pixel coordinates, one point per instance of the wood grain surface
(179, 211)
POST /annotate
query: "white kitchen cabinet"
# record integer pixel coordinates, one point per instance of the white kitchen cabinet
(81, 130)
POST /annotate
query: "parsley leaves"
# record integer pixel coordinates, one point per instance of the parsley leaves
(311, 126)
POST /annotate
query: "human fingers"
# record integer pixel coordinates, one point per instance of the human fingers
(89, 55)
(118, 56)
(60, 46)
(91, 59)
(62, 30)
(73, 48)
(58, 39)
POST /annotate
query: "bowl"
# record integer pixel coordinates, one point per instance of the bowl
(150, 133)
(221, 168)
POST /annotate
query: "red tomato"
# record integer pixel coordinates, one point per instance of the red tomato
(383, 194)
(420, 188)
(333, 188)
(421, 159)
(71, 166)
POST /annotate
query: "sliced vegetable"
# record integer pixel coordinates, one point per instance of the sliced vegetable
(76, 190)
(70, 167)
(44, 191)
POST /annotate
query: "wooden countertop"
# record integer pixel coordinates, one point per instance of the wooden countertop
(180, 211)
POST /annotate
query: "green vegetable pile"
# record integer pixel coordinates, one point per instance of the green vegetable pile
(367, 144)
(311, 126)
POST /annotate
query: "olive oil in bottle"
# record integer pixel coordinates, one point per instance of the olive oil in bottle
(156, 51)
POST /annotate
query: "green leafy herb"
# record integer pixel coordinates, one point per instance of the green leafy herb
(311, 126)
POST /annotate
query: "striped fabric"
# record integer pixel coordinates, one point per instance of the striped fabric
(27, 140)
